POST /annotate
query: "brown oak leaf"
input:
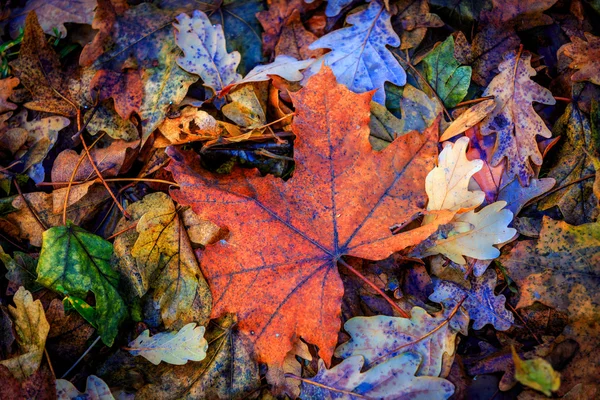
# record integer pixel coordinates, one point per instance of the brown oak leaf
(278, 268)
(586, 57)
(126, 88)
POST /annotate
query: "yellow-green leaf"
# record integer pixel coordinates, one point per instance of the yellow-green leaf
(536, 373)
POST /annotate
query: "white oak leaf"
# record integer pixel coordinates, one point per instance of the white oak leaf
(474, 234)
(359, 57)
(284, 66)
(393, 379)
(95, 389)
(514, 119)
(175, 348)
(447, 185)
(205, 54)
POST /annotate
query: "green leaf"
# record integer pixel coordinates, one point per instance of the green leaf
(21, 270)
(536, 373)
(74, 262)
(175, 348)
(445, 75)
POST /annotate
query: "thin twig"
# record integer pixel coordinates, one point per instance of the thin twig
(111, 180)
(395, 306)
(31, 210)
(332, 389)
(566, 185)
(81, 358)
(49, 362)
(474, 101)
(114, 235)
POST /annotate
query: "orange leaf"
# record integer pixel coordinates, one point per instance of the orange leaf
(278, 268)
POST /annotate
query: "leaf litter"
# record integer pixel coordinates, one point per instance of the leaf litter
(286, 199)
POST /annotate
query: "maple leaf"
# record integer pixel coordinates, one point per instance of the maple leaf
(171, 347)
(342, 200)
(359, 57)
(228, 371)
(379, 337)
(447, 185)
(586, 57)
(559, 268)
(159, 255)
(514, 120)
(447, 77)
(204, 50)
(32, 329)
(295, 40)
(38, 67)
(482, 305)
(53, 14)
(393, 379)
(68, 253)
(472, 234)
(95, 388)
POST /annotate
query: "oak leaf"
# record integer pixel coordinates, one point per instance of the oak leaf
(447, 185)
(586, 57)
(276, 375)
(295, 40)
(175, 348)
(559, 269)
(203, 45)
(32, 330)
(359, 57)
(392, 379)
(190, 125)
(412, 21)
(341, 200)
(7, 86)
(482, 305)
(95, 388)
(126, 88)
(468, 119)
(514, 120)
(380, 337)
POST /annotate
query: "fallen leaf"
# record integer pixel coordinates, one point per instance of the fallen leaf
(276, 375)
(412, 21)
(95, 388)
(447, 185)
(204, 50)
(468, 119)
(514, 120)
(124, 87)
(70, 253)
(6, 89)
(295, 40)
(171, 347)
(159, 255)
(309, 221)
(359, 57)
(522, 14)
(393, 379)
(38, 67)
(447, 77)
(20, 271)
(247, 107)
(482, 305)
(40, 385)
(472, 234)
(586, 57)
(334, 6)
(558, 269)
(53, 14)
(191, 125)
(536, 373)
(32, 329)
(577, 202)
(517, 196)
(228, 371)
(380, 337)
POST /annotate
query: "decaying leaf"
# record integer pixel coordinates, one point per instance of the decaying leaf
(276, 375)
(6, 89)
(171, 347)
(559, 268)
(40, 385)
(158, 255)
(124, 87)
(70, 253)
(95, 389)
(482, 305)
(32, 329)
(412, 21)
(586, 57)
(204, 50)
(468, 119)
(53, 14)
(536, 373)
(284, 66)
(308, 222)
(380, 337)
(228, 371)
(295, 39)
(447, 185)
(514, 120)
(392, 379)
(473, 234)
(191, 125)
(359, 57)
(20, 271)
(38, 67)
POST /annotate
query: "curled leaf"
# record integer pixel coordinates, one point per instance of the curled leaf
(536, 373)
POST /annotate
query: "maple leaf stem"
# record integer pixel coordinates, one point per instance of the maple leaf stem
(395, 306)
(354, 395)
